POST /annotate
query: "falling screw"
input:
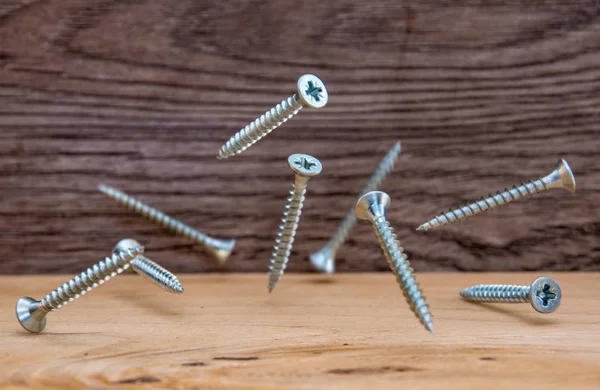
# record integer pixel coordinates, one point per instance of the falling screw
(562, 177)
(147, 268)
(372, 207)
(220, 249)
(324, 259)
(311, 93)
(544, 294)
(32, 313)
(304, 167)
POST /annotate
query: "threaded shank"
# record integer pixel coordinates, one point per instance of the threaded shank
(401, 268)
(285, 235)
(493, 201)
(496, 293)
(262, 126)
(383, 170)
(219, 248)
(156, 274)
(89, 279)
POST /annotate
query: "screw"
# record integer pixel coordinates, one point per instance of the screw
(372, 207)
(311, 93)
(562, 177)
(220, 249)
(304, 167)
(32, 313)
(324, 259)
(149, 269)
(544, 294)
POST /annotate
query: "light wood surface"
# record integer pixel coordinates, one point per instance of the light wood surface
(354, 331)
(140, 95)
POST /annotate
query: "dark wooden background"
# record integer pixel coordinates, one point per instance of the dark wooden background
(140, 95)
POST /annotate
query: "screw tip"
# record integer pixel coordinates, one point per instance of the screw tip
(421, 228)
(429, 326)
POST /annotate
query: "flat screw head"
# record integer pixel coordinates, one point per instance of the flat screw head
(126, 244)
(312, 91)
(30, 318)
(304, 165)
(545, 295)
(566, 175)
(372, 204)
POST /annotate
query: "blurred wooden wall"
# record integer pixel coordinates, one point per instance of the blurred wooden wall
(141, 94)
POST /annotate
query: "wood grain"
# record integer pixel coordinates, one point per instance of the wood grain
(140, 95)
(352, 332)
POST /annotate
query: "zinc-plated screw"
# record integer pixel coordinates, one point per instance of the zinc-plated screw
(304, 167)
(311, 93)
(324, 259)
(147, 268)
(544, 294)
(220, 249)
(32, 313)
(372, 207)
(562, 177)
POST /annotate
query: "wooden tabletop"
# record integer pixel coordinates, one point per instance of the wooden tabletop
(352, 331)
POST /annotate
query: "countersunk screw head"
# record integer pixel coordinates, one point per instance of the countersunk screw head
(545, 294)
(304, 165)
(312, 91)
(32, 319)
(125, 244)
(372, 204)
(566, 175)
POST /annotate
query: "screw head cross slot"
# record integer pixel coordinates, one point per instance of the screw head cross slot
(545, 295)
(312, 91)
(304, 165)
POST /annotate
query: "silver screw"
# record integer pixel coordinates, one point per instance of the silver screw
(544, 294)
(324, 259)
(147, 268)
(304, 167)
(32, 313)
(311, 93)
(372, 207)
(562, 177)
(220, 249)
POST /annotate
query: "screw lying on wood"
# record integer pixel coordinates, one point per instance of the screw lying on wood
(32, 313)
(304, 167)
(324, 259)
(544, 294)
(562, 177)
(147, 268)
(372, 207)
(311, 93)
(220, 249)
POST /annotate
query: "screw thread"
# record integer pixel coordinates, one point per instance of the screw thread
(90, 278)
(493, 201)
(341, 234)
(285, 235)
(221, 249)
(400, 266)
(496, 293)
(260, 127)
(156, 274)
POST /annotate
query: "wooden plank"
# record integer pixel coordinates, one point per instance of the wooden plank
(352, 331)
(141, 95)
